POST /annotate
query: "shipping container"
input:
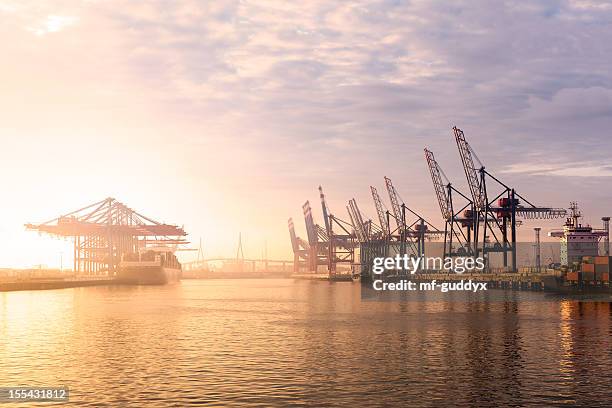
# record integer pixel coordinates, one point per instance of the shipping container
(587, 267)
(602, 268)
(601, 276)
(602, 260)
(588, 276)
(572, 276)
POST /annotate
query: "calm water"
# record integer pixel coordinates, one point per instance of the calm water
(280, 342)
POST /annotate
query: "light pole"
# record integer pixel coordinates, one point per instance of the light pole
(537, 248)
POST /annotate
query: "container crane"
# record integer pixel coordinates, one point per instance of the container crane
(499, 214)
(301, 248)
(458, 221)
(318, 239)
(414, 234)
(336, 242)
(105, 231)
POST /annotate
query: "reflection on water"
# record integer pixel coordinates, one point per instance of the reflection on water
(280, 342)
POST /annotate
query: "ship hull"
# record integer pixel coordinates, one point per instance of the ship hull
(148, 275)
(556, 284)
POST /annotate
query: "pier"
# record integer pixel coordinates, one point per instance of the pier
(46, 284)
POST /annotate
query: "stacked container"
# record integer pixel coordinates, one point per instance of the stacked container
(573, 276)
(602, 268)
(588, 272)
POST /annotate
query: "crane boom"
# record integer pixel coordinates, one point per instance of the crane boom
(358, 223)
(349, 210)
(395, 206)
(382, 216)
(294, 240)
(324, 208)
(471, 172)
(311, 227)
(439, 187)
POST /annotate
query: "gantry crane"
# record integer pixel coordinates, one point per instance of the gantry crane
(379, 239)
(499, 214)
(411, 236)
(458, 219)
(318, 239)
(301, 248)
(342, 238)
(327, 246)
(105, 231)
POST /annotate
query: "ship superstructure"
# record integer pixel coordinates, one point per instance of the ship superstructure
(577, 240)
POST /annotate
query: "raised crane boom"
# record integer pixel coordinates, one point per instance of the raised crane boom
(471, 172)
(311, 227)
(324, 208)
(439, 186)
(357, 219)
(349, 210)
(296, 242)
(395, 206)
(382, 215)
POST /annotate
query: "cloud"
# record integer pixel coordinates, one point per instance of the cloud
(297, 94)
(575, 169)
(571, 104)
(52, 24)
(590, 4)
(385, 78)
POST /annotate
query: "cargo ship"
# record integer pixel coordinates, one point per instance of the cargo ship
(155, 266)
(593, 276)
(583, 269)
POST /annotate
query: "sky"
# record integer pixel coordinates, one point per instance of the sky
(225, 116)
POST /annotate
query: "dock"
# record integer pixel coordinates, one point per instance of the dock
(46, 284)
(338, 277)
